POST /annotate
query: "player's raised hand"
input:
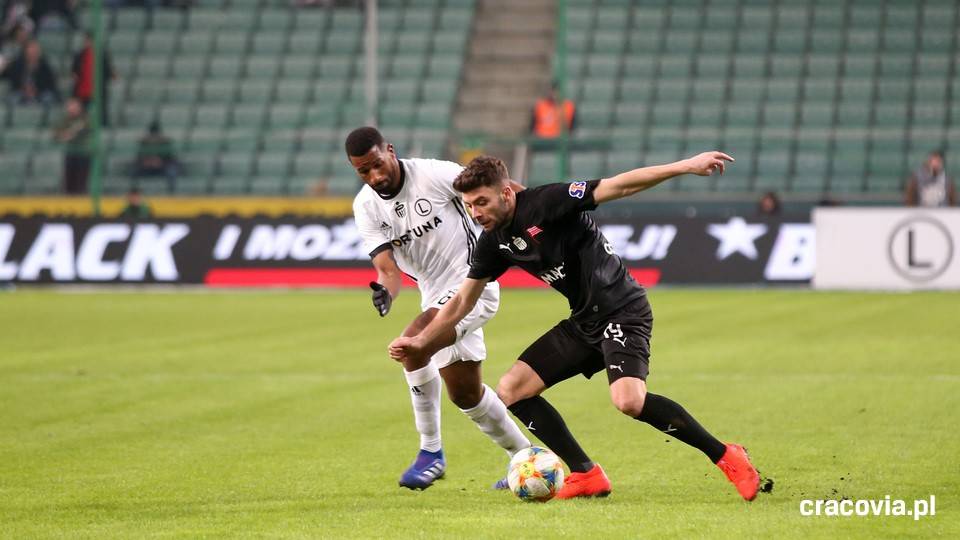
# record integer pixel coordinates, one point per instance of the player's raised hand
(706, 163)
(381, 298)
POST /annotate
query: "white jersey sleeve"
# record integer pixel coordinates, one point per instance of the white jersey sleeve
(372, 235)
(443, 175)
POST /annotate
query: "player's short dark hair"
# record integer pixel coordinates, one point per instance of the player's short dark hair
(361, 140)
(482, 171)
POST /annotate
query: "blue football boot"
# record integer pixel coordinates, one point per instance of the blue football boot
(428, 466)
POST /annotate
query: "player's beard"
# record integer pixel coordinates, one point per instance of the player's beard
(501, 216)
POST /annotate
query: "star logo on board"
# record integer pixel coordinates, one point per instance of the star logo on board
(737, 236)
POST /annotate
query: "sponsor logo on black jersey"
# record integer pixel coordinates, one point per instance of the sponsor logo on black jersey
(554, 274)
(577, 189)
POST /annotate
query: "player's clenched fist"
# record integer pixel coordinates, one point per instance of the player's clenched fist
(403, 348)
(381, 298)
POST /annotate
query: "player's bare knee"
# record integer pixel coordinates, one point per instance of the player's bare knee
(629, 404)
(465, 397)
(509, 390)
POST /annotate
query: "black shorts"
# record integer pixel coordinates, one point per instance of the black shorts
(620, 344)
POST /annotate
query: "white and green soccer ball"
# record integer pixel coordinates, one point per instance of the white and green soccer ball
(536, 474)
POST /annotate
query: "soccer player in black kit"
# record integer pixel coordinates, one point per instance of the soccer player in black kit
(546, 231)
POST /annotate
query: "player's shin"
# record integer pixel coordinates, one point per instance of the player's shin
(424, 385)
(490, 415)
(669, 417)
(546, 423)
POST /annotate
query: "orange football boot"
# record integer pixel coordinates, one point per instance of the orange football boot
(736, 465)
(593, 483)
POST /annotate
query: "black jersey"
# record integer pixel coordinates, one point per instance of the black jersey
(552, 238)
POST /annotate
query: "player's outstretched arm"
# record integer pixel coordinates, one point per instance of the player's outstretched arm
(441, 332)
(389, 280)
(637, 180)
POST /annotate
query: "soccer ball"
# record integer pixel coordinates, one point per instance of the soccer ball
(536, 474)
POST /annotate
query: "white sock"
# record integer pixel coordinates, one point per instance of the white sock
(491, 417)
(424, 385)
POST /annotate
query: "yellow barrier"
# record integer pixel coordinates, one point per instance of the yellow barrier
(182, 207)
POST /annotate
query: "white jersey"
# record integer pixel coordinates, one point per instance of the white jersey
(425, 224)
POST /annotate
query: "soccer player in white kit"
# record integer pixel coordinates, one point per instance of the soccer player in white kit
(412, 221)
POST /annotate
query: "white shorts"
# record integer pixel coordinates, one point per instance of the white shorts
(469, 345)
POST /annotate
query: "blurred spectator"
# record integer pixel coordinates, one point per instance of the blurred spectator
(31, 78)
(83, 78)
(769, 204)
(74, 132)
(930, 186)
(41, 8)
(545, 120)
(136, 207)
(14, 13)
(156, 157)
(12, 47)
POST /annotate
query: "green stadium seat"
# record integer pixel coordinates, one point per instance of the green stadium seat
(865, 16)
(306, 43)
(255, 91)
(189, 67)
(159, 42)
(456, 19)
(675, 66)
(217, 91)
(230, 41)
(433, 115)
(251, 115)
(269, 43)
(823, 66)
(712, 66)
(780, 115)
(225, 67)
(296, 67)
(816, 115)
(717, 41)
(854, 113)
(790, 41)
(283, 115)
(153, 67)
(681, 42)
(449, 43)
(343, 43)
(205, 138)
(783, 90)
(277, 22)
(292, 92)
(445, 67)
(757, 17)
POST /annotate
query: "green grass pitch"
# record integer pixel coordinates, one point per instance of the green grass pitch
(279, 414)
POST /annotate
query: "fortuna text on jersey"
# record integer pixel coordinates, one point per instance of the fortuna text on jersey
(417, 232)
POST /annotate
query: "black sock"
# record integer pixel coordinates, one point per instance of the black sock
(669, 417)
(542, 420)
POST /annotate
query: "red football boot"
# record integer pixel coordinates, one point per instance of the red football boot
(593, 483)
(736, 465)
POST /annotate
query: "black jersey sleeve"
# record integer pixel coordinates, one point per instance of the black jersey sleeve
(487, 262)
(554, 201)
